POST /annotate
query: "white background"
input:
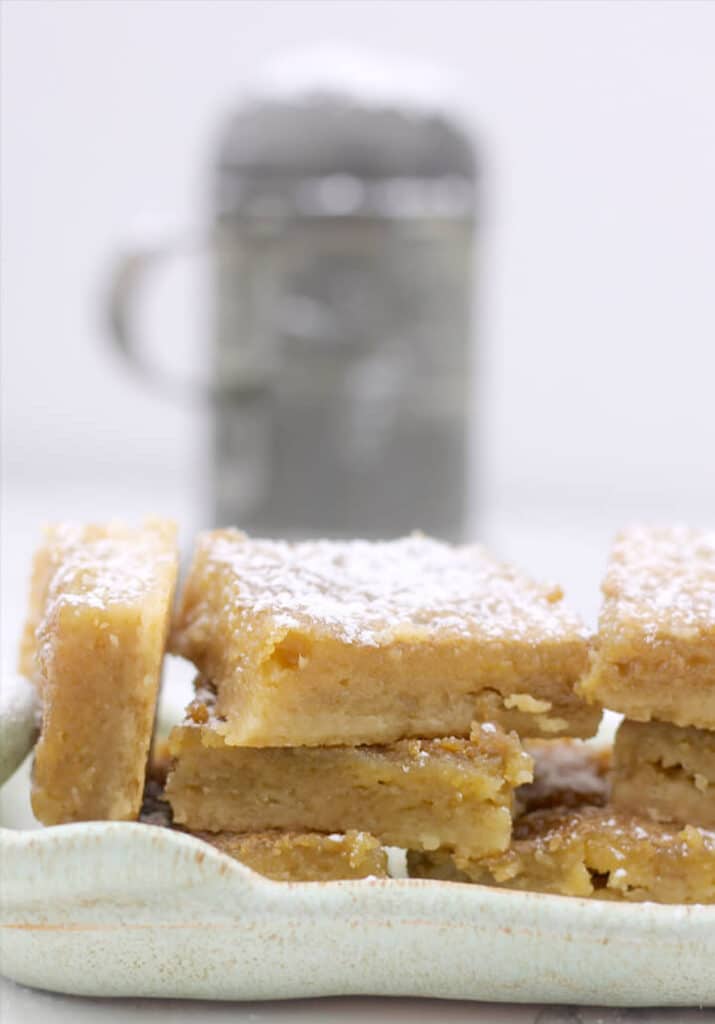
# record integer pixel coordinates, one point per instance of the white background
(596, 340)
(598, 312)
(596, 308)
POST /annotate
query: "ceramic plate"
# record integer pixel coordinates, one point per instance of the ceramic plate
(133, 910)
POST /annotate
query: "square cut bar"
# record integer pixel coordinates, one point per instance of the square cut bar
(99, 617)
(590, 851)
(666, 772)
(327, 642)
(414, 793)
(304, 856)
(654, 655)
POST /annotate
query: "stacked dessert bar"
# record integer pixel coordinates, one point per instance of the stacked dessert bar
(353, 696)
(100, 606)
(355, 687)
(654, 661)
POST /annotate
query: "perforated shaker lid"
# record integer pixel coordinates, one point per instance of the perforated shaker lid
(332, 112)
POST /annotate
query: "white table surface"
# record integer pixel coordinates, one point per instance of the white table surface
(20, 1006)
(571, 549)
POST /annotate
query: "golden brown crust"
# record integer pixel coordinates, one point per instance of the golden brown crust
(591, 851)
(304, 856)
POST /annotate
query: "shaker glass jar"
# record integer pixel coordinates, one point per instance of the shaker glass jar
(341, 346)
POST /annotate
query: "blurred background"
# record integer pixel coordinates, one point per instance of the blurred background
(472, 293)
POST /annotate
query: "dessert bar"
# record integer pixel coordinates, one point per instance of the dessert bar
(99, 616)
(414, 793)
(655, 651)
(325, 642)
(304, 856)
(590, 851)
(666, 772)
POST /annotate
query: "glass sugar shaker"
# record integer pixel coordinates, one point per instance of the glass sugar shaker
(341, 352)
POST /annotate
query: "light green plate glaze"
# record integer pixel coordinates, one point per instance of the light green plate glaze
(132, 910)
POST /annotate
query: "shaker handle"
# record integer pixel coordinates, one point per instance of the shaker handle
(132, 269)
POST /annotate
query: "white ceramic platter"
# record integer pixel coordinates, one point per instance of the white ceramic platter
(113, 909)
(135, 910)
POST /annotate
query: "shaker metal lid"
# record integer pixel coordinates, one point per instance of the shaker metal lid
(337, 112)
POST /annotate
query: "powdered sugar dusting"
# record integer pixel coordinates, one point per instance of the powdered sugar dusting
(369, 592)
(99, 566)
(663, 579)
